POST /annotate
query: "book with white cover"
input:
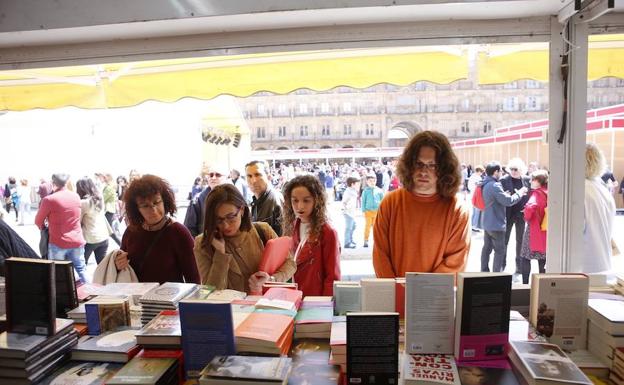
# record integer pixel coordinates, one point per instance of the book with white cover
(135, 290)
(225, 296)
(430, 369)
(169, 293)
(429, 313)
(378, 294)
(608, 315)
(543, 363)
(559, 308)
(347, 297)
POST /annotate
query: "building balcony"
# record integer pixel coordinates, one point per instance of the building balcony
(329, 112)
(405, 110)
(281, 114)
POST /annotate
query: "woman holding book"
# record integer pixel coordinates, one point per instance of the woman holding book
(315, 243)
(229, 250)
(157, 248)
(534, 240)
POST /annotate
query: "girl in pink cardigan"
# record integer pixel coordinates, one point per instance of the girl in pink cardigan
(534, 241)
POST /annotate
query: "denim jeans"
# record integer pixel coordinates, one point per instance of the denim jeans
(75, 255)
(349, 229)
(493, 240)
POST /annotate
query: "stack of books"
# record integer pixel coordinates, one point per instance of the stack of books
(105, 316)
(164, 297)
(163, 332)
(314, 319)
(280, 298)
(114, 346)
(83, 373)
(605, 327)
(589, 363)
(134, 290)
(617, 372)
(29, 358)
(79, 314)
(265, 332)
(619, 285)
(544, 363)
(223, 370)
(338, 342)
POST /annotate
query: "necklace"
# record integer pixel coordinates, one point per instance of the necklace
(156, 226)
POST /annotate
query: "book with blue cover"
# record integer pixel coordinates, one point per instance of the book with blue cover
(207, 331)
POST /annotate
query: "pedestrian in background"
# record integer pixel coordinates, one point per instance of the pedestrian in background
(371, 199)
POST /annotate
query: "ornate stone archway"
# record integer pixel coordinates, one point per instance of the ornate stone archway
(400, 133)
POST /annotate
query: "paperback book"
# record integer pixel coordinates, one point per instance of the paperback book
(246, 369)
(429, 369)
(113, 346)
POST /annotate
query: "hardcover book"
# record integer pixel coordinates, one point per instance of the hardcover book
(559, 308)
(246, 369)
(114, 346)
(207, 332)
(66, 294)
(134, 290)
(543, 363)
(201, 294)
(378, 294)
(276, 252)
(429, 369)
(107, 315)
(169, 293)
(146, 371)
(482, 316)
(372, 348)
(83, 373)
(162, 331)
(608, 315)
(31, 296)
(429, 314)
(17, 345)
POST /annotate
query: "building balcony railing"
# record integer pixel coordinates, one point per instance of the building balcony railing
(400, 110)
(316, 137)
(328, 112)
(443, 108)
(281, 114)
(466, 109)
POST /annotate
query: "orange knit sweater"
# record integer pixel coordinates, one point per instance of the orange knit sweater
(420, 234)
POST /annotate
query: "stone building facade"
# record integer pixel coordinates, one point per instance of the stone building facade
(385, 115)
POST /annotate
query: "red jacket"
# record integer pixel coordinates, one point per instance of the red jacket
(533, 215)
(318, 262)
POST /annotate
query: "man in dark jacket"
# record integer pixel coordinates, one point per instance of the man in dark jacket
(512, 182)
(194, 218)
(12, 245)
(494, 217)
(266, 204)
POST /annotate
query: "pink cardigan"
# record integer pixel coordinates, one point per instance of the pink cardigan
(533, 215)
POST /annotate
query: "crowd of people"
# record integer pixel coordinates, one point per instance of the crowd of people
(416, 209)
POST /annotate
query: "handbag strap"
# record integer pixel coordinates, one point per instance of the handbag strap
(151, 245)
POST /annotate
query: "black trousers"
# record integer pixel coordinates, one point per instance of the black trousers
(109, 218)
(526, 268)
(98, 248)
(516, 220)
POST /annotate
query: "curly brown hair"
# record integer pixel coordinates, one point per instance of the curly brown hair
(448, 171)
(319, 212)
(147, 187)
(223, 193)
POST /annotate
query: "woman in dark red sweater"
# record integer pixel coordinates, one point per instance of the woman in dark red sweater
(158, 248)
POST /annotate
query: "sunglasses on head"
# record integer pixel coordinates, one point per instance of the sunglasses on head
(214, 175)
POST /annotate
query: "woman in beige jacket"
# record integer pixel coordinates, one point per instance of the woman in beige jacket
(230, 249)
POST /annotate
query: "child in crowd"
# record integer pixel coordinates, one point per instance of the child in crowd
(315, 243)
(371, 199)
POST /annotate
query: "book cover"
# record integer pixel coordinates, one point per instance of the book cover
(263, 328)
(425, 369)
(347, 297)
(372, 347)
(83, 373)
(18, 345)
(558, 308)
(282, 294)
(134, 290)
(107, 315)
(378, 294)
(30, 296)
(399, 297)
(167, 353)
(206, 332)
(201, 294)
(163, 330)
(545, 362)
(429, 314)
(276, 252)
(311, 301)
(169, 293)
(482, 316)
(497, 372)
(142, 370)
(607, 314)
(338, 335)
(66, 294)
(113, 346)
(286, 285)
(248, 368)
(226, 295)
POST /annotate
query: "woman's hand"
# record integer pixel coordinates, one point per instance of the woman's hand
(219, 245)
(257, 280)
(121, 260)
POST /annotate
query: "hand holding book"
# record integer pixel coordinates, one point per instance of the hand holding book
(256, 281)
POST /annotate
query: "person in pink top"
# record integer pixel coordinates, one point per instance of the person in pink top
(534, 240)
(61, 211)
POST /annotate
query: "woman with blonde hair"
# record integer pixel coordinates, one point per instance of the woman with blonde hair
(599, 216)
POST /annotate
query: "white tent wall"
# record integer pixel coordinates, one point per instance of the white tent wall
(87, 31)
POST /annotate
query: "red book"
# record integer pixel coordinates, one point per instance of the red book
(167, 353)
(275, 253)
(279, 293)
(285, 285)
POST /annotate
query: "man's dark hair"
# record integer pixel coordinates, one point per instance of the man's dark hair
(351, 181)
(257, 161)
(491, 168)
(448, 171)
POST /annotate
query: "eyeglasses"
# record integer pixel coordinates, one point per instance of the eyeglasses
(230, 219)
(148, 206)
(426, 166)
(214, 175)
(513, 169)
